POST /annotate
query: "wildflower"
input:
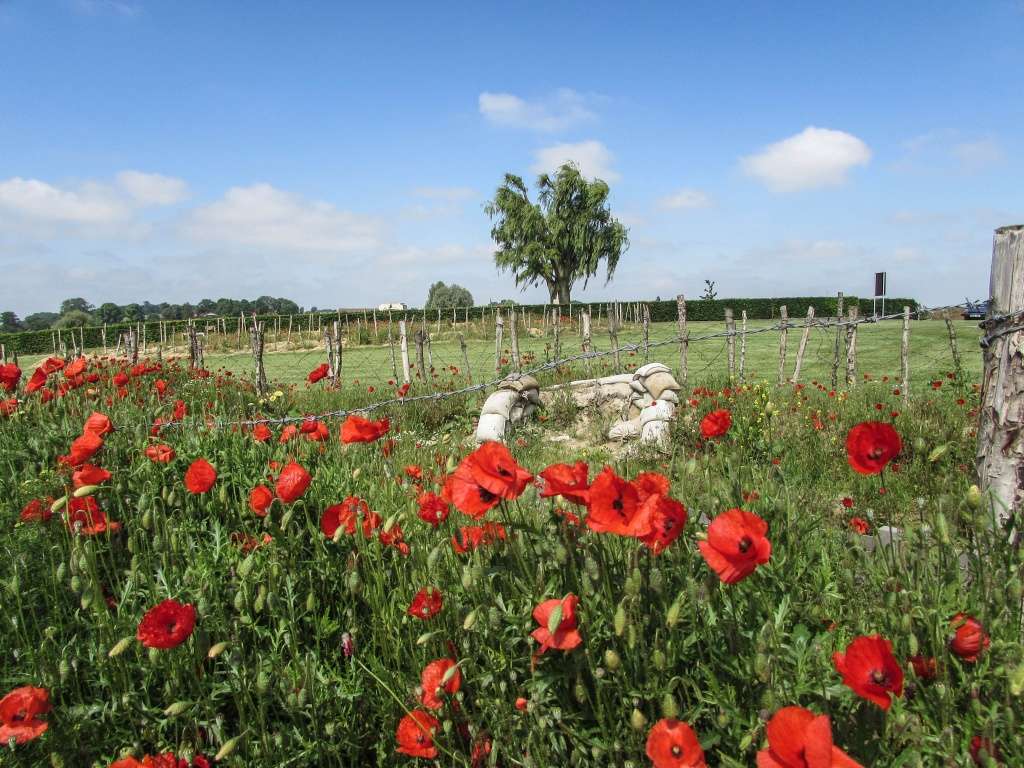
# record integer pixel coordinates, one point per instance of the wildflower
(260, 499)
(566, 480)
(10, 375)
(415, 734)
(19, 714)
(318, 373)
(84, 516)
(99, 424)
(432, 508)
(160, 453)
(261, 433)
(166, 625)
(426, 603)
(870, 670)
(564, 636)
(473, 536)
(871, 445)
(89, 475)
(200, 476)
(36, 510)
(613, 506)
(83, 448)
(860, 525)
(433, 681)
(715, 424)
(736, 545)
(982, 750)
(797, 738)
(672, 743)
(847, 502)
(925, 667)
(338, 515)
(969, 638)
(292, 482)
(356, 429)
(494, 469)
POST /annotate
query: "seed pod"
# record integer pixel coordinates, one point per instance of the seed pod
(85, 490)
(58, 505)
(165, 494)
(612, 660)
(261, 599)
(275, 570)
(762, 665)
(222, 494)
(63, 669)
(467, 578)
(631, 636)
(620, 620)
(656, 580)
(356, 473)
(239, 601)
(76, 584)
(62, 571)
(912, 645)
(83, 563)
(227, 749)
(659, 659)
(973, 497)
(120, 647)
(905, 622)
(637, 721)
(56, 761)
(303, 698)
(942, 528)
(354, 582)
(147, 520)
(131, 546)
(435, 553)
(216, 650)
(580, 692)
(177, 708)
(469, 621)
(669, 707)
(311, 600)
(287, 518)
(672, 615)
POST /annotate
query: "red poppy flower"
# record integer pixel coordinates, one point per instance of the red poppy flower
(715, 424)
(292, 482)
(261, 433)
(318, 433)
(668, 518)
(166, 625)
(566, 480)
(335, 517)
(89, 475)
(84, 516)
(318, 373)
(672, 743)
(200, 476)
(432, 508)
(98, 423)
(870, 670)
(180, 410)
(260, 499)
(83, 448)
(494, 469)
(433, 681)
(414, 472)
(19, 714)
(287, 434)
(613, 506)
(969, 637)
(10, 375)
(160, 453)
(736, 545)
(356, 429)
(426, 604)
(847, 502)
(471, 537)
(860, 525)
(394, 537)
(76, 368)
(371, 522)
(415, 734)
(871, 445)
(925, 667)
(566, 636)
(797, 738)
(120, 379)
(36, 510)
(7, 407)
(463, 492)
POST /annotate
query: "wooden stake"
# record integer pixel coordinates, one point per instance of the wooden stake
(514, 339)
(684, 336)
(418, 337)
(743, 345)
(585, 326)
(391, 345)
(851, 348)
(730, 328)
(403, 341)
(957, 367)
(839, 337)
(499, 329)
(905, 355)
(803, 344)
(256, 341)
(783, 336)
(613, 333)
(646, 332)
(556, 321)
(465, 359)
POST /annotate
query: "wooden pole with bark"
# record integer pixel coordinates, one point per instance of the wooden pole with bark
(465, 358)
(256, 341)
(684, 336)
(613, 333)
(730, 341)
(513, 334)
(646, 331)
(585, 328)
(421, 363)
(802, 347)
(1000, 455)
(743, 345)
(957, 366)
(839, 336)
(783, 337)
(403, 342)
(905, 356)
(851, 348)
(499, 332)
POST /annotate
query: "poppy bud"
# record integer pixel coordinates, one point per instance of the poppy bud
(58, 505)
(56, 761)
(216, 650)
(592, 569)
(637, 720)
(227, 749)
(63, 669)
(669, 708)
(890, 600)
(938, 452)
(942, 528)
(85, 490)
(435, 553)
(762, 665)
(660, 661)
(262, 681)
(672, 616)
(147, 520)
(261, 599)
(303, 697)
(246, 566)
(620, 620)
(83, 563)
(425, 637)
(177, 708)
(354, 582)
(580, 692)
(131, 546)
(311, 598)
(973, 497)
(76, 584)
(919, 444)
(631, 636)
(222, 494)
(905, 622)
(165, 494)
(656, 580)
(356, 473)
(470, 620)
(120, 647)
(239, 601)
(62, 571)
(467, 578)
(691, 466)
(1015, 590)
(561, 554)
(612, 660)
(912, 644)
(154, 655)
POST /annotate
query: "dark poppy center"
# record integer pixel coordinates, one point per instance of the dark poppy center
(504, 472)
(875, 453)
(486, 496)
(677, 751)
(879, 677)
(745, 544)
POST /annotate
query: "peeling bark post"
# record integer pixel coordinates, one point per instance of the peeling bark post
(1000, 456)
(684, 337)
(499, 332)
(730, 341)
(783, 337)
(839, 336)
(104, 336)
(403, 342)
(802, 347)
(851, 348)
(256, 341)
(514, 338)
(391, 346)
(3, 354)
(288, 341)
(646, 330)
(957, 367)
(585, 328)
(465, 358)
(613, 333)
(556, 322)
(421, 362)
(905, 356)
(743, 345)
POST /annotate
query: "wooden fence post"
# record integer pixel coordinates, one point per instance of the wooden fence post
(851, 347)
(646, 331)
(839, 336)
(801, 348)
(585, 328)
(256, 340)
(403, 342)
(465, 358)
(743, 345)
(513, 334)
(420, 361)
(957, 367)
(613, 332)
(684, 336)
(783, 337)
(499, 332)
(730, 341)
(905, 355)
(1000, 455)
(556, 321)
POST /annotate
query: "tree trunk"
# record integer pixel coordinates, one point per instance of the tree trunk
(563, 293)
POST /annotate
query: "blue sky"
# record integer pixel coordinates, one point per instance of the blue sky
(341, 155)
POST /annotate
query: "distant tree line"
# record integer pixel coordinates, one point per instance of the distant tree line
(77, 312)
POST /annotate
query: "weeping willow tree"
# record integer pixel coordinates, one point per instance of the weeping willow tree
(560, 239)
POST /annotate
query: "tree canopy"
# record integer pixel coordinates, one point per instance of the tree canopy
(560, 239)
(448, 297)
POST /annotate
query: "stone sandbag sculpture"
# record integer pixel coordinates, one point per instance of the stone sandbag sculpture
(515, 399)
(649, 407)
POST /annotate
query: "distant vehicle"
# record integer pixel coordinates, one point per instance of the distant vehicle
(396, 307)
(975, 310)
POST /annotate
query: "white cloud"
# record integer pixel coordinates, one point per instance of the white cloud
(261, 216)
(38, 201)
(152, 188)
(558, 112)
(977, 155)
(815, 157)
(684, 199)
(592, 157)
(445, 194)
